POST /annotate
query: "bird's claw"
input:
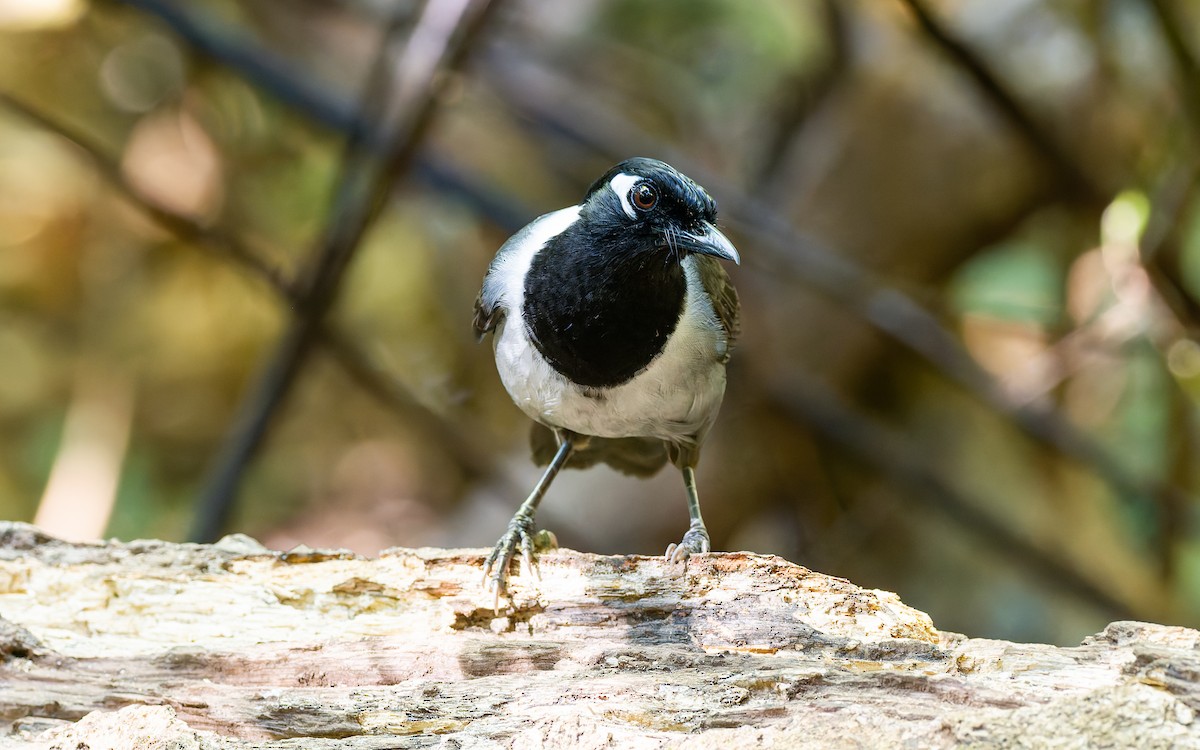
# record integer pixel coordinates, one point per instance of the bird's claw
(694, 542)
(518, 536)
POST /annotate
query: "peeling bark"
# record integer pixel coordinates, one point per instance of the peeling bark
(154, 645)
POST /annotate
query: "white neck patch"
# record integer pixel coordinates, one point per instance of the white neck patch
(620, 185)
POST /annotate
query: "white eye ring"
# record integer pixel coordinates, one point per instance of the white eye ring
(621, 185)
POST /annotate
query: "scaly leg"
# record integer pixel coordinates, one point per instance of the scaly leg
(520, 529)
(696, 539)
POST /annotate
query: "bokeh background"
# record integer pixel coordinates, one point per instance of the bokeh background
(240, 242)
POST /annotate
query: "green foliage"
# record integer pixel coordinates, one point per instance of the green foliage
(1015, 280)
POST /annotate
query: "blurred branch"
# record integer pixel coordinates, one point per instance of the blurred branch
(1159, 248)
(1077, 180)
(1186, 65)
(439, 43)
(1161, 256)
(278, 78)
(209, 238)
(801, 94)
(265, 71)
(813, 404)
(1168, 208)
(1160, 251)
(1174, 528)
(1072, 174)
(455, 442)
(345, 351)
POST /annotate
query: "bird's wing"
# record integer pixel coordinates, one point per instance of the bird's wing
(487, 317)
(490, 307)
(724, 297)
(489, 304)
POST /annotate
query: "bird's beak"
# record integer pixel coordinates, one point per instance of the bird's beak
(712, 242)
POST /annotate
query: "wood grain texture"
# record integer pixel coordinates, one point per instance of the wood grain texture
(232, 646)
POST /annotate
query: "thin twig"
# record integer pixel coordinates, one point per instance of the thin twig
(348, 354)
(813, 404)
(1186, 66)
(1072, 175)
(267, 72)
(184, 227)
(1159, 247)
(1159, 251)
(1076, 179)
(281, 79)
(438, 43)
(455, 442)
(804, 91)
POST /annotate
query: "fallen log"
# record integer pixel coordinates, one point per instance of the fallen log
(150, 644)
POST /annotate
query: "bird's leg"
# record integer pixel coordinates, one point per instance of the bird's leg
(520, 529)
(696, 539)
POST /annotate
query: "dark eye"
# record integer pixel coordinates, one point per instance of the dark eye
(644, 196)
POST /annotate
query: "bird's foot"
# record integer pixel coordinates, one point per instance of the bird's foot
(695, 542)
(518, 536)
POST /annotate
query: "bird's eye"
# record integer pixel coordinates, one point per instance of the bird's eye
(644, 196)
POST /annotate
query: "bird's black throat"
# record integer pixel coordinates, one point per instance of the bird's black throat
(600, 318)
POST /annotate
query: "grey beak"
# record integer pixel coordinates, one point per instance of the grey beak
(710, 242)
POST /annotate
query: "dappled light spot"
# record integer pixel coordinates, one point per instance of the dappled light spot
(173, 161)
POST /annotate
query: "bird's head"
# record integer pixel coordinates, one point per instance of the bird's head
(646, 204)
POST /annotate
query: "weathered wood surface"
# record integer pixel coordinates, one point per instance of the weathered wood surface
(156, 645)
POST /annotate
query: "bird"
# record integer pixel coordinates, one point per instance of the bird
(612, 322)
